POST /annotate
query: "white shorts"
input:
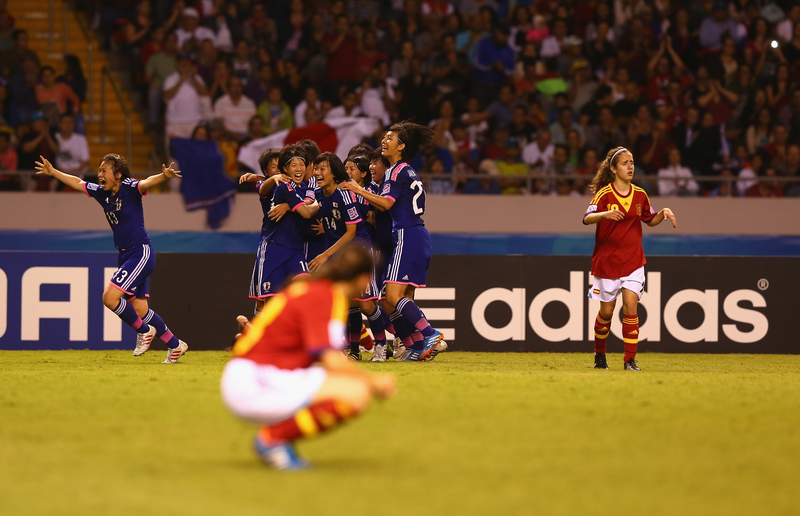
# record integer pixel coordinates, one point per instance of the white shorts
(265, 394)
(607, 290)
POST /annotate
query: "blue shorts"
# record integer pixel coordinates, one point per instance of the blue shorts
(314, 247)
(275, 265)
(135, 266)
(411, 258)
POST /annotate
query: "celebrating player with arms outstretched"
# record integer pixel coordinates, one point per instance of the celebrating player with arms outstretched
(272, 380)
(121, 199)
(618, 208)
(403, 195)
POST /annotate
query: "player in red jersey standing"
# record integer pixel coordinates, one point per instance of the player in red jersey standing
(618, 258)
(273, 381)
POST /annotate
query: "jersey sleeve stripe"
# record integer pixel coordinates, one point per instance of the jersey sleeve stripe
(83, 184)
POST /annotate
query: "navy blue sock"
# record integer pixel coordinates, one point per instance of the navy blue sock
(354, 329)
(376, 325)
(413, 315)
(163, 333)
(128, 314)
(419, 341)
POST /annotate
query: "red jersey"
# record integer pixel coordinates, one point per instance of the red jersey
(296, 326)
(618, 244)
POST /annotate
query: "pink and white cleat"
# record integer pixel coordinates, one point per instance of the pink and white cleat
(143, 341)
(175, 353)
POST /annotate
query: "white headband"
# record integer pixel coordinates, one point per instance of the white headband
(294, 157)
(615, 154)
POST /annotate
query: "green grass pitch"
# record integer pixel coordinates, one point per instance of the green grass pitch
(104, 433)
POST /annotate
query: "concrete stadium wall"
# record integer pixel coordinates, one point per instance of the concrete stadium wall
(445, 214)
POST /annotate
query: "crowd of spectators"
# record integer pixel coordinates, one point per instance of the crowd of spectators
(40, 112)
(694, 88)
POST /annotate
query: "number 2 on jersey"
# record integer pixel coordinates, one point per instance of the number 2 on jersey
(417, 185)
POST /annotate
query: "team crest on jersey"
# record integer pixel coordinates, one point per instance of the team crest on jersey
(639, 209)
(335, 204)
(119, 204)
(337, 214)
(267, 285)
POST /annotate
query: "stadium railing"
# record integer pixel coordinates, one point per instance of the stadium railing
(108, 77)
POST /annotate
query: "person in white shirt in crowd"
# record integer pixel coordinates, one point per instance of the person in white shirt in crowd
(350, 107)
(192, 32)
(234, 109)
(311, 98)
(676, 180)
(539, 152)
(184, 91)
(552, 45)
(784, 28)
(73, 149)
(372, 93)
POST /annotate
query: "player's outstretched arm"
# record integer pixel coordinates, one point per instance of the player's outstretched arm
(166, 174)
(46, 168)
(380, 202)
(594, 218)
(662, 215)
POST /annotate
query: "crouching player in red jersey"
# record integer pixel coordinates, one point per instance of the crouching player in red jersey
(273, 380)
(618, 258)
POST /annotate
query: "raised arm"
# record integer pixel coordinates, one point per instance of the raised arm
(46, 168)
(167, 173)
(380, 202)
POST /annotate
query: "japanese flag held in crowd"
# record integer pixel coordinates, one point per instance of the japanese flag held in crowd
(337, 136)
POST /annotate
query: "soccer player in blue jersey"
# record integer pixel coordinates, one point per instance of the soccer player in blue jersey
(403, 195)
(359, 169)
(121, 199)
(342, 223)
(280, 254)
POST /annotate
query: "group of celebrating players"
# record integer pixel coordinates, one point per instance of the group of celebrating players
(333, 247)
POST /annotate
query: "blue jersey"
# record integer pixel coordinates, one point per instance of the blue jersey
(382, 231)
(337, 211)
(123, 211)
(287, 232)
(402, 185)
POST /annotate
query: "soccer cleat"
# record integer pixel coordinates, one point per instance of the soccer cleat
(175, 353)
(398, 348)
(143, 341)
(353, 356)
(440, 348)
(410, 355)
(378, 353)
(600, 361)
(281, 456)
(630, 365)
(430, 343)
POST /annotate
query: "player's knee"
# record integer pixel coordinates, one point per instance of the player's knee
(110, 300)
(630, 308)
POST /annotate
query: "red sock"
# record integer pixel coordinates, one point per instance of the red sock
(601, 329)
(366, 338)
(630, 335)
(308, 422)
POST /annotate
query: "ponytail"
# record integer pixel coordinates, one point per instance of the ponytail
(414, 136)
(604, 175)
